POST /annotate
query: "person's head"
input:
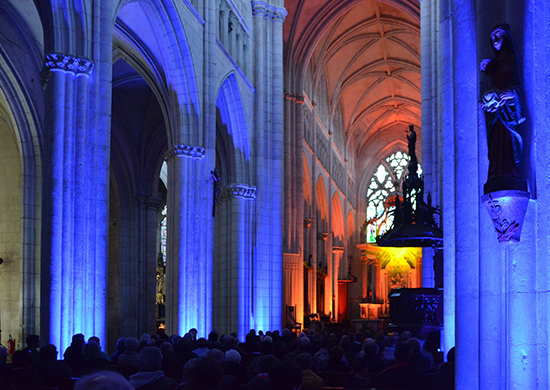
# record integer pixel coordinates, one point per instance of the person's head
(304, 361)
(284, 376)
(120, 345)
(94, 338)
(166, 349)
(415, 344)
(345, 342)
(266, 347)
(144, 338)
(78, 339)
(402, 352)
(131, 344)
(406, 335)
(21, 359)
(150, 359)
(233, 356)
(202, 343)
(216, 355)
(33, 341)
(213, 336)
(48, 353)
(103, 380)
(265, 362)
(303, 344)
(91, 351)
(370, 349)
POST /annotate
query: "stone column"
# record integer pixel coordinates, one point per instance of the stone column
(233, 259)
(268, 154)
(336, 260)
(147, 259)
(73, 241)
(188, 252)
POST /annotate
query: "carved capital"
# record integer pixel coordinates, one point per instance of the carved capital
(307, 222)
(232, 191)
(67, 63)
(267, 11)
(185, 151)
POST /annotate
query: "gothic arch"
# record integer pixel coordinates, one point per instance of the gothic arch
(155, 28)
(20, 97)
(232, 136)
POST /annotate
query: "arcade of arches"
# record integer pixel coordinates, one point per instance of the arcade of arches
(227, 164)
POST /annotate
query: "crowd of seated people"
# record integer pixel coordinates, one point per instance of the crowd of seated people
(271, 361)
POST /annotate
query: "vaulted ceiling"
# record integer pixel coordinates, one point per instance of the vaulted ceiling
(369, 54)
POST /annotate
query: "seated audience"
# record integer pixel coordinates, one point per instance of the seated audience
(120, 349)
(128, 362)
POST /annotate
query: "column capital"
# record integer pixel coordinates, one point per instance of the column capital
(68, 63)
(267, 11)
(232, 191)
(185, 151)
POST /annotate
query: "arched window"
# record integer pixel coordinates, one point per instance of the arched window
(385, 184)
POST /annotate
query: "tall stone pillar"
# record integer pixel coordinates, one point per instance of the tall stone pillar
(268, 154)
(337, 253)
(74, 239)
(147, 259)
(188, 252)
(233, 260)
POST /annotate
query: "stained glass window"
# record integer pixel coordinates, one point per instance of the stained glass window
(386, 181)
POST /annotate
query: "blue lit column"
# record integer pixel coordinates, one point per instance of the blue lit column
(233, 260)
(268, 154)
(189, 256)
(74, 255)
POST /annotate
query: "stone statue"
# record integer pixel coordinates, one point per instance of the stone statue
(502, 106)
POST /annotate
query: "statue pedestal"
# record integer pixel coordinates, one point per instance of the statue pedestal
(507, 210)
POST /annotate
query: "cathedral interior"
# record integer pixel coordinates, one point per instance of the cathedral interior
(236, 165)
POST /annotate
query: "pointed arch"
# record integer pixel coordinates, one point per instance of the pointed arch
(232, 135)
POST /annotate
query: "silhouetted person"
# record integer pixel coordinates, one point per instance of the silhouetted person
(53, 372)
(73, 356)
(120, 349)
(402, 374)
(359, 378)
(445, 377)
(150, 375)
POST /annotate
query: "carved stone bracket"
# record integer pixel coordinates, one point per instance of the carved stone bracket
(69, 63)
(337, 249)
(185, 151)
(267, 11)
(507, 210)
(307, 222)
(232, 191)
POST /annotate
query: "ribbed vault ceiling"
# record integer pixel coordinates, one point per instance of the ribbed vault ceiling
(369, 54)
